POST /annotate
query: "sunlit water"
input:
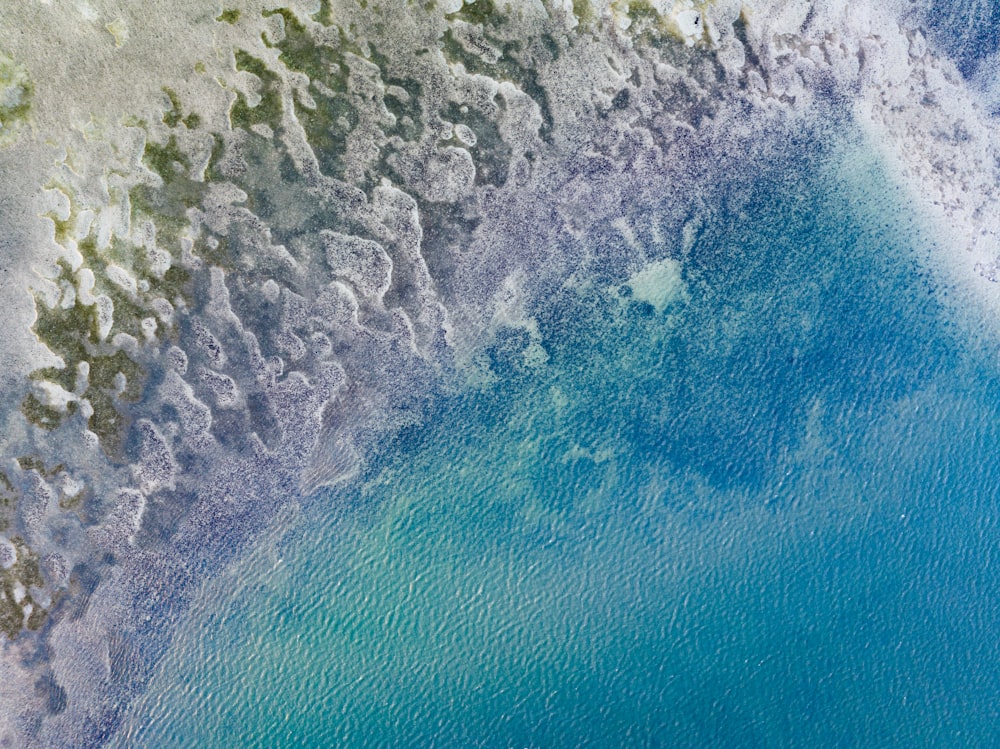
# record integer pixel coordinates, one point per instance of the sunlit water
(763, 516)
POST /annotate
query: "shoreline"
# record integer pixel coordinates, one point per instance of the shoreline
(330, 295)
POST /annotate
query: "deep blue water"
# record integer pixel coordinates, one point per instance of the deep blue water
(968, 32)
(764, 516)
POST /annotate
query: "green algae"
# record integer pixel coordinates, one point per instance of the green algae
(107, 421)
(268, 111)
(16, 93)
(175, 115)
(167, 203)
(40, 414)
(300, 52)
(584, 11)
(327, 128)
(330, 122)
(230, 16)
(507, 68)
(335, 110)
(104, 369)
(71, 332)
(26, 571)
(325, 13)
(479, 12)
(36, 618)
(166, 159)
(8, 501)
(175, 284)
(33, 463)
(642, 12)
(64, 377)
(66, 331)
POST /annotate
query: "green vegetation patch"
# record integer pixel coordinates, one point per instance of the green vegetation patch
(18, 608)
(32, 463)
(508, 68)
(71, 331)
(230, 16)
(8, 501)
(175, 115)
(328, 124)
(26, 571)
(584, 11)
(72, 334)
(167, 204)
(16, 92)
(269, 109)
(480, 12)
(325, 13)
(42, 415)
(300, 52)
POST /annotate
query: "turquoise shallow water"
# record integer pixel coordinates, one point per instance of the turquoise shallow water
(765, 516)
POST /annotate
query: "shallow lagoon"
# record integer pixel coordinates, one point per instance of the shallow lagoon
(764, 515)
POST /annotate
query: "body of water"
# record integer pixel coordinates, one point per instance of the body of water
(756, 508)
